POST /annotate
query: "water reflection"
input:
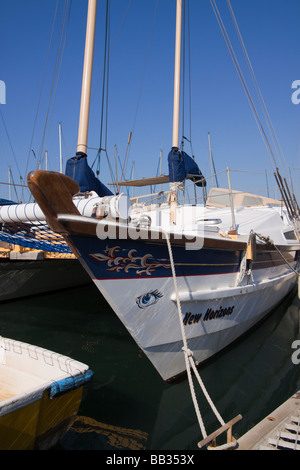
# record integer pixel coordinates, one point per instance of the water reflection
(128, 406)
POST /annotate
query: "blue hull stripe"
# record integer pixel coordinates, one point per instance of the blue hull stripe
(126, 259)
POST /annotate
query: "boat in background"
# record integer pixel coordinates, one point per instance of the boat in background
(36, 264)
(34, 259)
(185, 279)
(25, 272)
(40, 394)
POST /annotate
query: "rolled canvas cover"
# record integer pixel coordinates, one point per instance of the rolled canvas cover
(77, 168)
(182, 166)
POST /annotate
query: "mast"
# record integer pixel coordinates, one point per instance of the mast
(87, 77)
(175, 142)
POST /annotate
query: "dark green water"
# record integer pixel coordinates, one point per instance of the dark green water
(128, 406)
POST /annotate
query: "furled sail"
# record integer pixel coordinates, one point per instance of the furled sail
(77, 168)
(6, 202)
(182, 166)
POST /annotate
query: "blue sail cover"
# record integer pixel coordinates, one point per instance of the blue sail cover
(6, 202)
(77, 168)
(182, 166)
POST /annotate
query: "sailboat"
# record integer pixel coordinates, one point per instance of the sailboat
(33, 260)
(185, 280)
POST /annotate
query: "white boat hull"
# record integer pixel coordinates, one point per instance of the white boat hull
(212, 320)
(193, 280)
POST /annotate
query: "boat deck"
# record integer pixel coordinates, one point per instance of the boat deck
(5, 394)
(17, 381)
(278, 431)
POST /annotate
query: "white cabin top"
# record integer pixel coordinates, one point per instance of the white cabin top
(219, 197)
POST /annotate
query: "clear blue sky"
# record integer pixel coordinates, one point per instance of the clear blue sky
(140, 92)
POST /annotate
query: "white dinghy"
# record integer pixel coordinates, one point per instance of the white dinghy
(40, 393)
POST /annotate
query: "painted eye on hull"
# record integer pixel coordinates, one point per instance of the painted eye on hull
(149, 298)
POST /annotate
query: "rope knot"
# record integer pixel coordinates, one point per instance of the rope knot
(187, 351)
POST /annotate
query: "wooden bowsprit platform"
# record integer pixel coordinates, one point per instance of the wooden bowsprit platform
(210, 441)
(279, 431)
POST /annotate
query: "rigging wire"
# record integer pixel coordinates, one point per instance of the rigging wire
(42, 84)
(104, 101)
(107, 43)
(55, 77)
(56, 72)
(94, 91)
(140, 88)
(146, 62)
(117, 35)
(190, 75)
(257, 88)
(13, 184)
(123, 167)
(186, 36)
(40, 94)
(245, 87)
(10, 143)
(9, 169)
(288, 198)
(59, 71)
(104, 82)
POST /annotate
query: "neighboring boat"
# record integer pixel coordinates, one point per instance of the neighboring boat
(33, 259)
(26, 272)
(40, 393)
(184, 279)
(25, 268)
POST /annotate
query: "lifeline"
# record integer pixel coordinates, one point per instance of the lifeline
(210, 314)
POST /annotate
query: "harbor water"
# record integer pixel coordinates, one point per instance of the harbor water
(127, 406)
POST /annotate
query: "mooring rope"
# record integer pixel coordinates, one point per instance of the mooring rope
(188, 355)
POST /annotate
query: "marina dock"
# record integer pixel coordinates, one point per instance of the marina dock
(278, 431)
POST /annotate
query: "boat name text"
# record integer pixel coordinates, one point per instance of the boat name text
(210, 314)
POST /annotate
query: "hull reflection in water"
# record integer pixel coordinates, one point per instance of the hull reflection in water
(95, 434)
